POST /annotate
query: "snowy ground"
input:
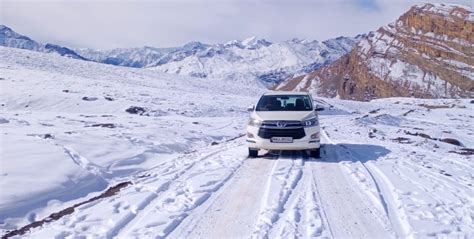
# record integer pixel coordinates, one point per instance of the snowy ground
(388, 167)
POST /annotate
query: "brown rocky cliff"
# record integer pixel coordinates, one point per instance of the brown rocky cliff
(427, 53)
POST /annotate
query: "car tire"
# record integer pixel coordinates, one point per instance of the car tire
(315, 153)
(253, 153)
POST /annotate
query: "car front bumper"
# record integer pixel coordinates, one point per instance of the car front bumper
(254, 141)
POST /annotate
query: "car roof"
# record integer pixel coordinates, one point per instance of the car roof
(286, 93)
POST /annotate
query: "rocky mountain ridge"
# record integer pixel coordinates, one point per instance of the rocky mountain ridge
(427, 53)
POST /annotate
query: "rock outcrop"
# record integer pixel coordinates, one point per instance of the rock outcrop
(427, 53)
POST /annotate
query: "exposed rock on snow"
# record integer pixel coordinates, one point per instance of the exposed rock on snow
(136, 110)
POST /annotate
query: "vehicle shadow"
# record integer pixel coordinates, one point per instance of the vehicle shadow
(276, 154)
(335, 153)
(332, 153)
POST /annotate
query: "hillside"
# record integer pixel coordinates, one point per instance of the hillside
(10, 38)
(94, 150)
(427, 53)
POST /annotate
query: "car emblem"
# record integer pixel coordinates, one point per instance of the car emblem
(281, 124)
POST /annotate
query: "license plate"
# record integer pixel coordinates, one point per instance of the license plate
(281, 140)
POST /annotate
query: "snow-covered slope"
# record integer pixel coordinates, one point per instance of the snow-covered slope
(10, 38)
(93, 150)
(249, 61)
(427, 52)
(71, 128)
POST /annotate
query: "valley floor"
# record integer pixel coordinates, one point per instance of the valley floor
(389, 168)
(362, 187)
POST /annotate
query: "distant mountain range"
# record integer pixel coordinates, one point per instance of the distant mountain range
(9, 38)
(427, 53)
(249, 61)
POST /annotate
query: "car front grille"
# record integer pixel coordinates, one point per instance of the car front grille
(267, 133)
(281, 124)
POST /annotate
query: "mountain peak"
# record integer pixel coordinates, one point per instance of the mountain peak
(249, 41)
(422, 54)
(10, 38)
(255, 43)
(442, 8)
(195, 45)
(4, 28)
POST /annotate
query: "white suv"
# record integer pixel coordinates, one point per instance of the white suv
(284, 121)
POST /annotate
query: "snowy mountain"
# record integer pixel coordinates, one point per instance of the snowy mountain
(10, 38)
(91, 150)
(249, 61)
(142, 56)
(253, 58)
(427, 53)
(252, 61)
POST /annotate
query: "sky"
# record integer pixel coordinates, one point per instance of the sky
(106, 24)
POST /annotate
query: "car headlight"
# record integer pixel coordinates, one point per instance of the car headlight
(311, 122)
(254, 122)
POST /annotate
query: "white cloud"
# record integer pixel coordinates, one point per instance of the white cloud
(110, 24)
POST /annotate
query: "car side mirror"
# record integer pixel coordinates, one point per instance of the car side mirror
(250, 108)
(318, 108)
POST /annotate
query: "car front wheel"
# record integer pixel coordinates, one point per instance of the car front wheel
(253, 153)
(315, 153)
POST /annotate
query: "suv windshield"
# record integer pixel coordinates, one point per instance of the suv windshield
(284, 103)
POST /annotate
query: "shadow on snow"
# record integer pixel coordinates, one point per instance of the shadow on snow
(334, 153)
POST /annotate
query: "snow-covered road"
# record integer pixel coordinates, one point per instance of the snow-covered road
(296, 196)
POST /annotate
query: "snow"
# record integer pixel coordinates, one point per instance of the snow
(385, 56)
(9, 38)
(387, 170)
(249, 60)
(444, 9)
(408, 74)
(46, 117)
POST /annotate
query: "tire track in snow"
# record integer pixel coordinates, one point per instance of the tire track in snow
(389, 199)
(282, 183)
(314, 185)
(303, 215)
(347, 212)
(179, 195)
(130, 222)
(232, 210)
(148, 193)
